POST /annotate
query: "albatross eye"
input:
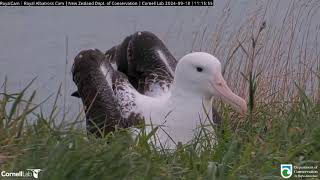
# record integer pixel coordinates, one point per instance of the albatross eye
(199, 69)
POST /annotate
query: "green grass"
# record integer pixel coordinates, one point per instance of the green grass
(248, 148)
(275, 67)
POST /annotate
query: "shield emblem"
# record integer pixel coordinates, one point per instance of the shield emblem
(286, 170)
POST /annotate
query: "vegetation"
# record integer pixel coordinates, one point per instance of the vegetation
(275, 68)
(271, 135)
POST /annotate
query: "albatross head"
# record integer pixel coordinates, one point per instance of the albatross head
(199, 73)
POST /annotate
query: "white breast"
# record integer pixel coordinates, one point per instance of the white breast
(177, 122)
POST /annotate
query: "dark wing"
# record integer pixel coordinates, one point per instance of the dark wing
(146, 61)
(101, 89)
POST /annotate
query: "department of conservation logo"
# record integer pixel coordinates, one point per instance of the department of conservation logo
(286, 170)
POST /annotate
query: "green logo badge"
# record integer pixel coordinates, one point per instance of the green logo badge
(286, 170)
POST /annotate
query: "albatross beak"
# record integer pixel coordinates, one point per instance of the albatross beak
(222, 90)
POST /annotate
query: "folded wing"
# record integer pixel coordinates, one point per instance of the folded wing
(146, 61)
(107, 95)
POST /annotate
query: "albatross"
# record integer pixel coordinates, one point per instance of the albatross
(139, 81)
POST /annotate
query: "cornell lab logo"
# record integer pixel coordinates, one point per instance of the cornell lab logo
(29, 173)
(286, 170)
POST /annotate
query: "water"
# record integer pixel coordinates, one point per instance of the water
(33, 39)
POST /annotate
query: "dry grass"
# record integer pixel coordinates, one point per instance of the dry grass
(279, 50)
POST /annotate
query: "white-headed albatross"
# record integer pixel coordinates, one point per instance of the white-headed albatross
(112, 98)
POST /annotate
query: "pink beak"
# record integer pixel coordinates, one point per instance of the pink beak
(222, 90)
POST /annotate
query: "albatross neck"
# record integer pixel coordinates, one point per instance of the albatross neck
(185, 95)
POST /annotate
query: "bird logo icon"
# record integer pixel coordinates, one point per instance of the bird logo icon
(35, 172)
